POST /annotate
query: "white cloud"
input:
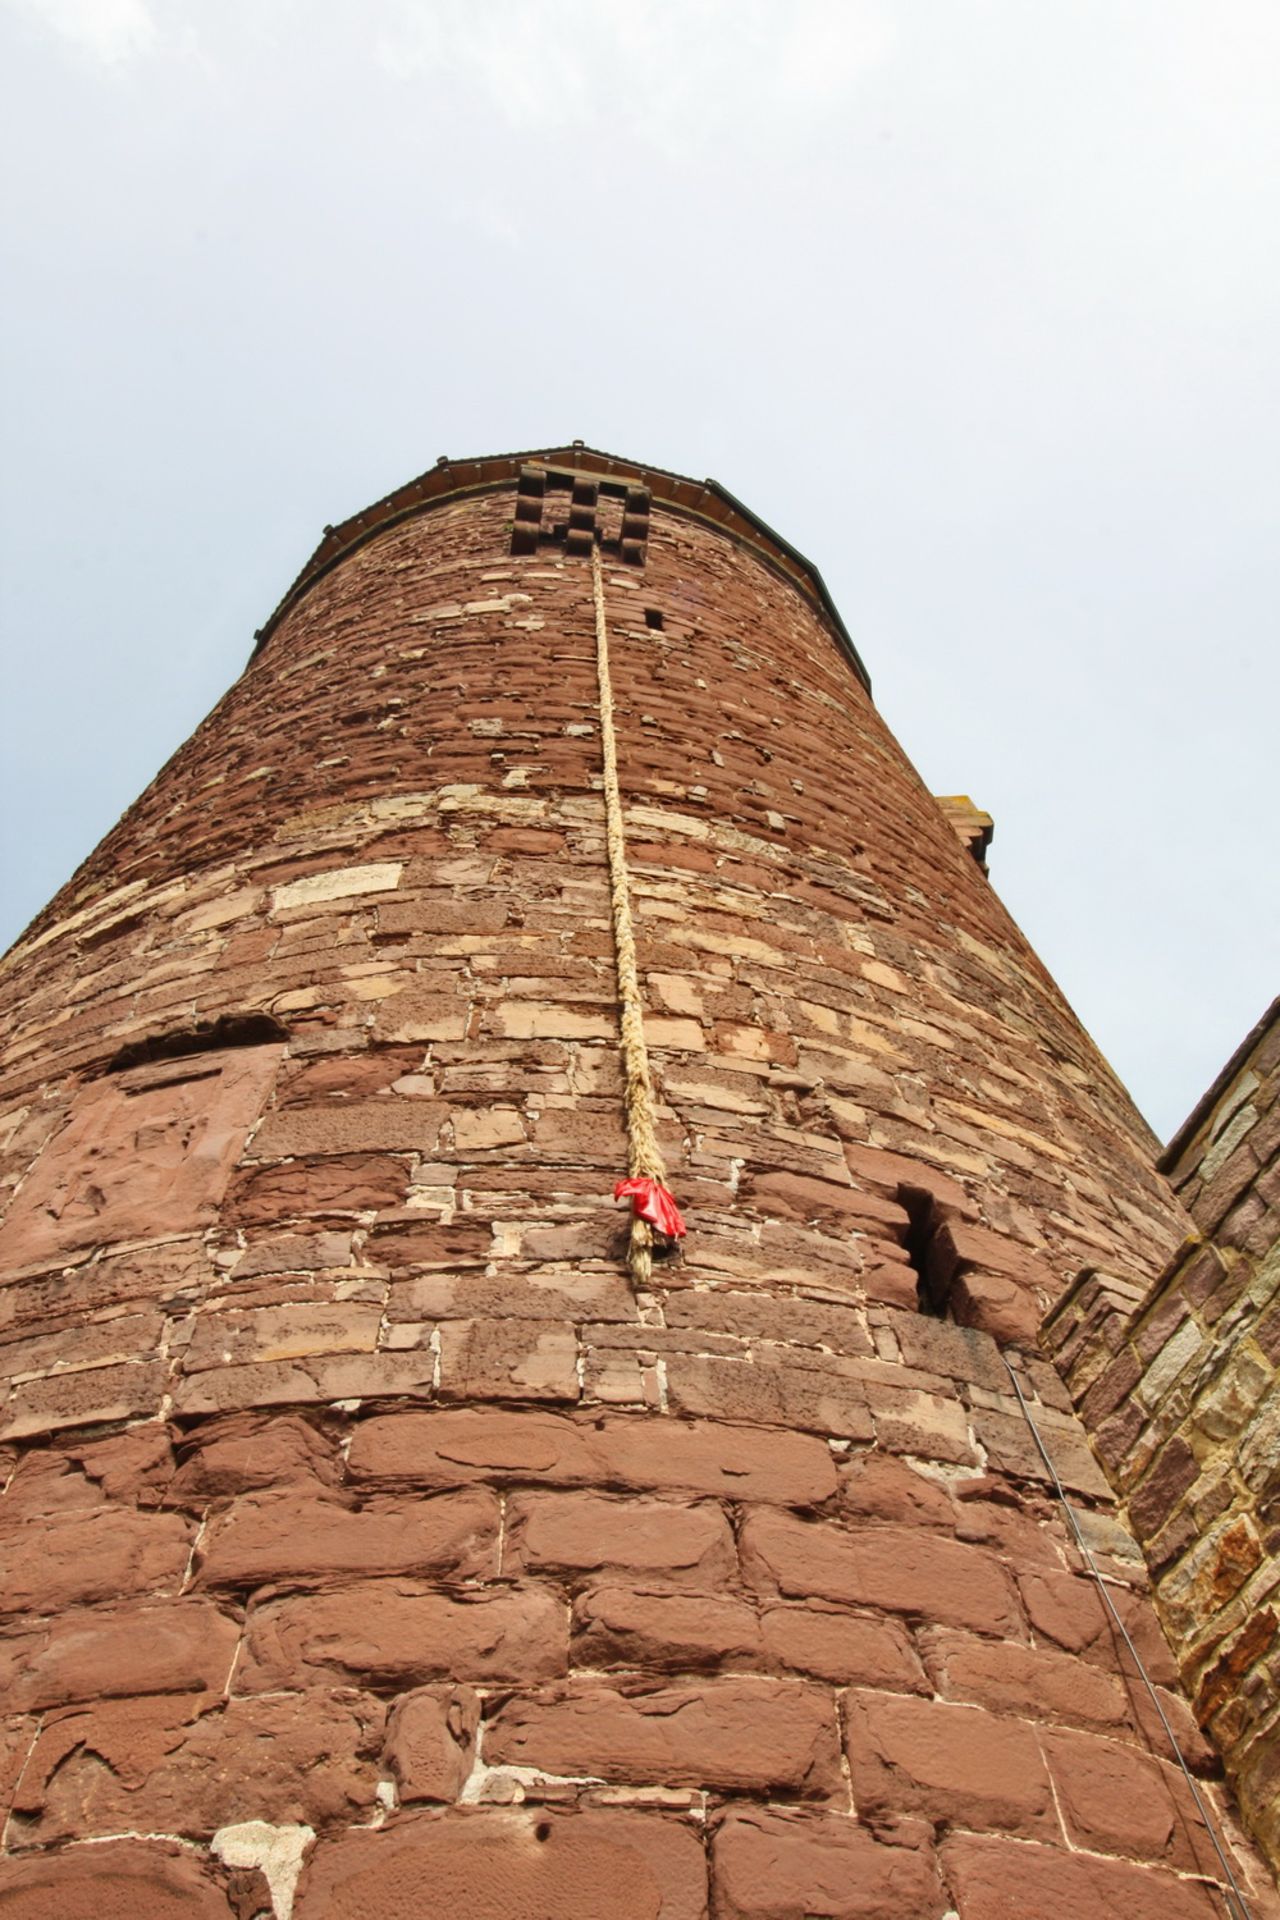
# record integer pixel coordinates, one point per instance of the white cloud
(672, 72)
(110, 30)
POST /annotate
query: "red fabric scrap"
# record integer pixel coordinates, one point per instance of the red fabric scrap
(651, 1201)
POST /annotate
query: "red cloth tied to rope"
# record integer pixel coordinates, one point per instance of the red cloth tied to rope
(651, 1201)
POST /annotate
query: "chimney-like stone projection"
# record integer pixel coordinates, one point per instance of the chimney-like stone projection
(377, 1536)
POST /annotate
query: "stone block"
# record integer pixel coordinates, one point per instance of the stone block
(930, 1426)
(510, 1865)
(78, 1559)
(431, 1739)
(167, 1765)
(788, 1319)
(899, 1569)
(949, 1763)
(384, 1124)
(850, 1649)
(85, 1396)
(834, 1203)
(237, 1336)
(483, 1129)
(316, 1379)
(421, 1013)
(882, 1487)
(143, 1156)
(823, 1400)
(286, 1536)
(253, 1450)
(337, 883)
(1173, 1471)
(400, 1632)
(648, 1628)
(789, 1865)
(995, 1879)
(660, 1455)
(115, 1880)
(535, 1020)
(178, 1646)
(746, 1735)
(341, 1184)
(586, 1533)
(1038, 1683)
(1115, 1799)
(508, 1359)
(1065, 1608)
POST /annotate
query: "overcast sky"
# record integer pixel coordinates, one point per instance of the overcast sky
(976, 301)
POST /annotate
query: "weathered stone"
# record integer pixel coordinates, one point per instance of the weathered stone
(508, 1359)
(744, 1735)
(430, 1745)
(587, 1532)
(511, 1866)
(385, 1124)
(281, 1536)
(666, 1456)
(951, 1763)
(1036, 1682)
(341, 1184)
(81, 1398)
(115, 1880)
(885, 1488)
(1173, 1471)
(617, 1626)
(826, 1401)
(770, 1865)
(77, 1559)
(140, 1161)
(249, 1451)
(1115, 1799)
(848, 1648)
(399, 1632)
(421, 1013)
(897, 1568)
(998, 1878)
(167, 1764)
(337, 883)
(1065, 1609)
(179, 1646)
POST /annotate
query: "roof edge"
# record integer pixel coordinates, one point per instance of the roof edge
(705, 500)
(1182, 1139)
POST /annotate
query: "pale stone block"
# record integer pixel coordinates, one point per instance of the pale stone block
(476, 1129)
(686, 1034)
(338, 883)
(527, 1020)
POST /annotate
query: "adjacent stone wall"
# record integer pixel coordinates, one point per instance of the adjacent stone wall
(360, 1519)
(1179, 1384)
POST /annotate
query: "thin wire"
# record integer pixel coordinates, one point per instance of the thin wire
(1135, 1656)
(644, 1157)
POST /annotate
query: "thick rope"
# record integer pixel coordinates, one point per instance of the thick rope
(643, 1154)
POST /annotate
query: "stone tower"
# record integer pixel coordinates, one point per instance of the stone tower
(375, 1537)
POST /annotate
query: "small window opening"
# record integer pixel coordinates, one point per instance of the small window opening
(921, 1221)
(652, 618)
(232, 1030)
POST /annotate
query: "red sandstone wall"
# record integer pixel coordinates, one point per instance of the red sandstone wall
(351, 1483)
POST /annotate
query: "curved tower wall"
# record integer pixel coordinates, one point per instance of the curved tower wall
(355, 1490)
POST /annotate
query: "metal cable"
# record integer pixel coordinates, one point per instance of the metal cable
(1241, 1909)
